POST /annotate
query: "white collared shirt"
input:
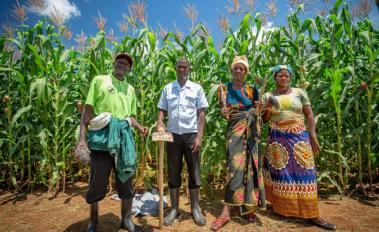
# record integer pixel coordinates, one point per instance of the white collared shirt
(181, 104)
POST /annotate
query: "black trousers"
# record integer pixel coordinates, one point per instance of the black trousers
(182, 145)
(101, 165)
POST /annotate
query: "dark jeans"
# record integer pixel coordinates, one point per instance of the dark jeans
(101, 165)
(182, 145)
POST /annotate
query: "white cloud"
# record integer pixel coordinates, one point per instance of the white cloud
(64, 7)
(268, 27)
(262, 38)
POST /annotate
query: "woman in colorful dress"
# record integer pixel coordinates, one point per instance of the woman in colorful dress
(289, 169)
(245, 187)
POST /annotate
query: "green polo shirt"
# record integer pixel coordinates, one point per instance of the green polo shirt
(108, 94)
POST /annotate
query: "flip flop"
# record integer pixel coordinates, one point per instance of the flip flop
(219, 223)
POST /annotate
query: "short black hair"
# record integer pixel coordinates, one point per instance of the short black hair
(184, 59)
(126, 56)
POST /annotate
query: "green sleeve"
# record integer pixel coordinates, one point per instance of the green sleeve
(92, 93)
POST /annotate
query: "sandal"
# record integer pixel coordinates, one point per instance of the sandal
(251, 217)
(219, 223)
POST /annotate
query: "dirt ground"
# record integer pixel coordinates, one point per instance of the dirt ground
(69, 212)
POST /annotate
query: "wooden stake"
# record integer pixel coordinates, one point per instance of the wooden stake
(160, 183)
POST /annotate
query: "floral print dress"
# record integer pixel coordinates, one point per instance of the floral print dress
(289, 169)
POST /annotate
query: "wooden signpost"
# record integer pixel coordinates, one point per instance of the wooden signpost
(161, 136)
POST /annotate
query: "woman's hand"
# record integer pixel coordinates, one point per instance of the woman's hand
(225, 113)
(315, 145)
(307, 110)
(256, 104)
(268, 106)
(265, 106)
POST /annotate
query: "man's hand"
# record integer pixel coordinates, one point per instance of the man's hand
(196, 144)
(144, 131)
(82, 153)
(161, 127)
(82, 145)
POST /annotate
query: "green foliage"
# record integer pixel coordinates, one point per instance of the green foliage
(45, 81)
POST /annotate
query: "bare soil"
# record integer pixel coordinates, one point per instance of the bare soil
(69, 212)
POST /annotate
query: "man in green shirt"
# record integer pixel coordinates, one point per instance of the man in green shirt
(111, 95)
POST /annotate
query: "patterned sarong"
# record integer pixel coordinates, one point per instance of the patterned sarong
(289, 171)
(245, 187)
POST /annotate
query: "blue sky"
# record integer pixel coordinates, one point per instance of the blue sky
(79, 14)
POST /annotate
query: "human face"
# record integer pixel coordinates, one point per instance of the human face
(239, 72)
(182, 69)
(282, 78)
(121, 66)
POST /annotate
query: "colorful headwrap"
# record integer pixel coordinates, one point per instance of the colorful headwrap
(278, 68)
(241, 60)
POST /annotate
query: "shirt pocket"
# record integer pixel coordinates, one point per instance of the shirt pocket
(172, 102)
(191, 100)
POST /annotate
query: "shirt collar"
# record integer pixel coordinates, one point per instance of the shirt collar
(187, 85)
(114, 78)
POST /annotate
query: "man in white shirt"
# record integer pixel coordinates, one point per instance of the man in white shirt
(184, 103)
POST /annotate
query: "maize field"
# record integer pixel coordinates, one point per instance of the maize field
(44, 82)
